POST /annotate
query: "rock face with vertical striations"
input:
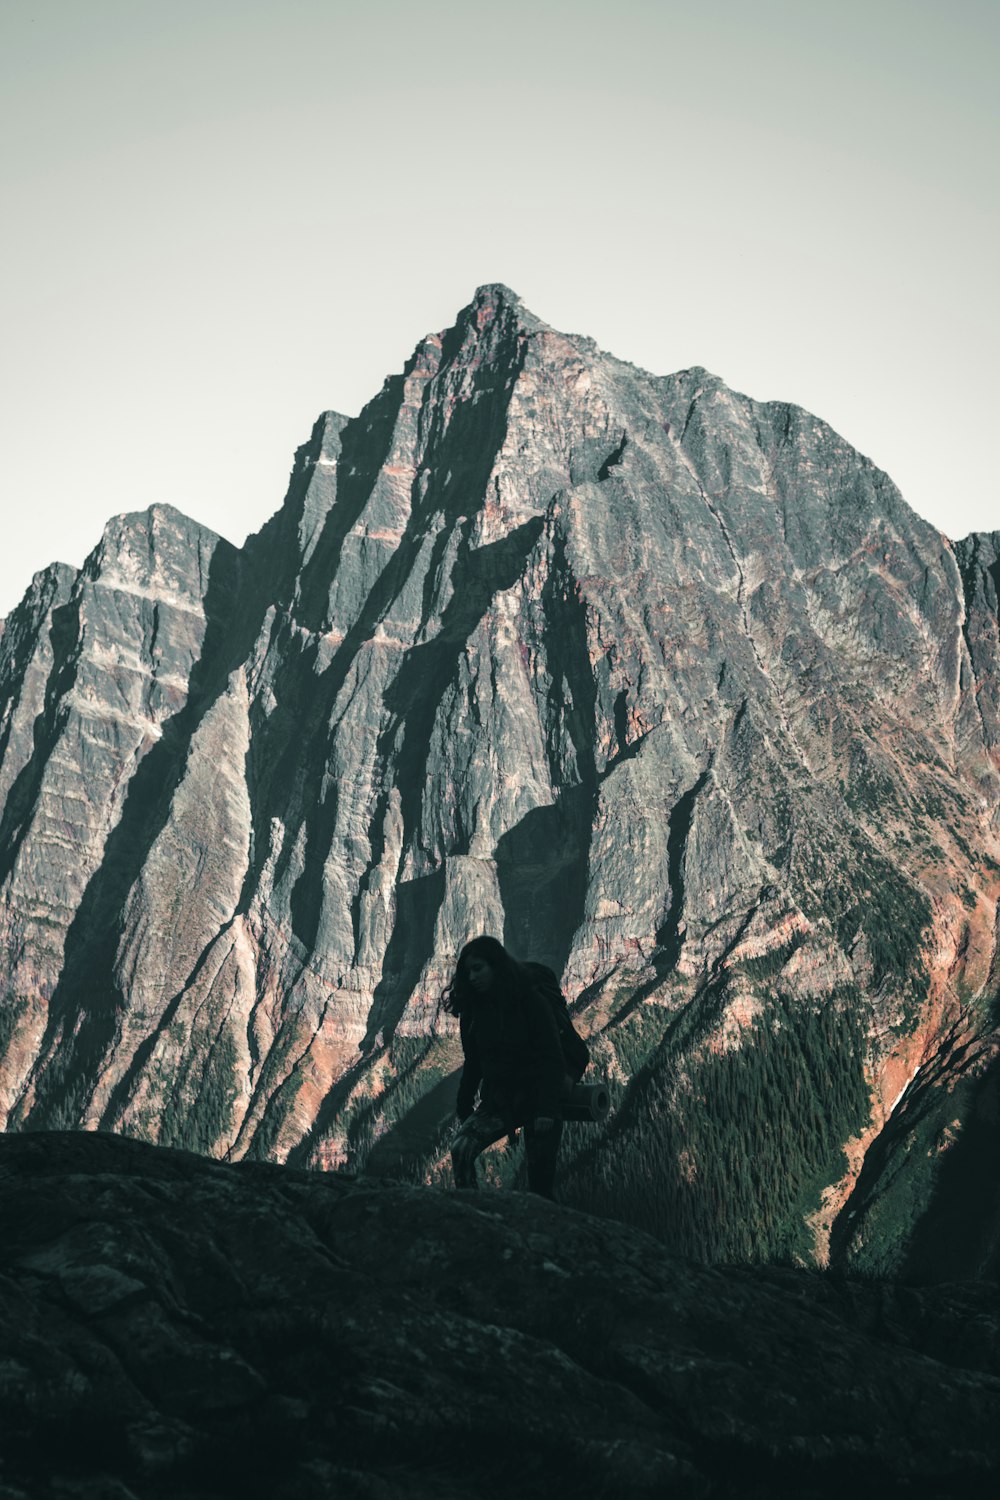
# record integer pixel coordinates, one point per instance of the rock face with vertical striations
(666, 687)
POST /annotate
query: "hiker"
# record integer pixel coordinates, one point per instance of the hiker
(513, 1055)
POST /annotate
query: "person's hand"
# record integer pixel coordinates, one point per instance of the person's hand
(543, 1124)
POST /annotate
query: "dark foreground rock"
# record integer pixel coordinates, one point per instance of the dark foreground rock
(174, 1326)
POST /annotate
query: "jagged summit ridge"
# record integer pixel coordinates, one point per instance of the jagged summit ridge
(664, 686)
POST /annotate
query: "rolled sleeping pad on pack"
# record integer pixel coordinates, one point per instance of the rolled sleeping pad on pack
(589, 1102)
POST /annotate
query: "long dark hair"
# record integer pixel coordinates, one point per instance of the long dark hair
(512, 979)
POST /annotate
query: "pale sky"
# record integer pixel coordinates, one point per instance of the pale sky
(222, 217)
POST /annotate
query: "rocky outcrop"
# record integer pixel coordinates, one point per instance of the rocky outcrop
(176, 1326)
(667, 687)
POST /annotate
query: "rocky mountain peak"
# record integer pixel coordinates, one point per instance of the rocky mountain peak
(666, 687)
(495, 300)
(159, 549)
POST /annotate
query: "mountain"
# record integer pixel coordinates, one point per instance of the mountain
(180, 1327)
(666, 687)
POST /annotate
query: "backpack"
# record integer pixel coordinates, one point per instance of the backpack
(576, 1054)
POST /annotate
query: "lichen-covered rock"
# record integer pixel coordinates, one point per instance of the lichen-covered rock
(664, 686)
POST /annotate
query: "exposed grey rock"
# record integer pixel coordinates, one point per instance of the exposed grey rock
(666, 687)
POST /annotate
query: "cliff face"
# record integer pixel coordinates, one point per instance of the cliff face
(666, 687)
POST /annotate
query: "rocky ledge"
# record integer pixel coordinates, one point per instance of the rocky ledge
(179, 1327)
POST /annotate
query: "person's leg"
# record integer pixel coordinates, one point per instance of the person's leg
(474, 1135)
(541, 1151)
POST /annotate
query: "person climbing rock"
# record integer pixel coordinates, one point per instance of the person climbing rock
(513, 1057)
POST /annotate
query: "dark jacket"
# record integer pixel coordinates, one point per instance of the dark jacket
(512, 1048)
